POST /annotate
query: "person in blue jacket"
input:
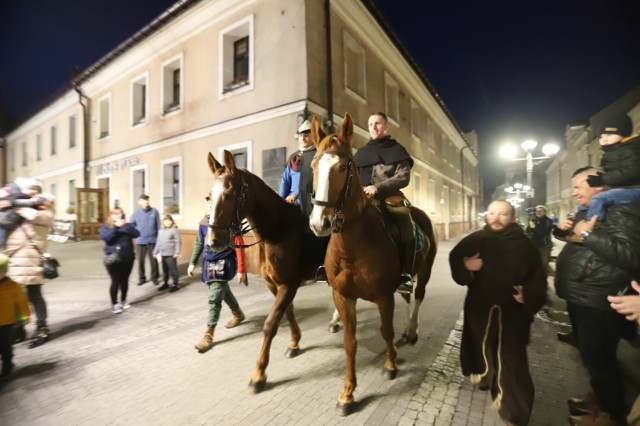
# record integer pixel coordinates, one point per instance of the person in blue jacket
(146, 219)
(118, 236)
(296, 184)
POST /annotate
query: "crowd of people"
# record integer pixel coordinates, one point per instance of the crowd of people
(505, 267)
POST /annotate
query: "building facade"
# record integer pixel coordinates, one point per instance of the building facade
(238, 75)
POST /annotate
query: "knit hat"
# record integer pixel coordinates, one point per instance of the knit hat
(619, 124)
(4, 263)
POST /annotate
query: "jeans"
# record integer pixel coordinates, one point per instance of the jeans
(598, 334)
(119, 273)
(146, 251)
(599, 202)
(34, 291)
(219, 291)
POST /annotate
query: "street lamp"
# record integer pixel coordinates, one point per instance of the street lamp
(514, 194)
(510, 151)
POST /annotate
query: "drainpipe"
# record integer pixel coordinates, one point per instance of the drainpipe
(327, 25)
(84, 101)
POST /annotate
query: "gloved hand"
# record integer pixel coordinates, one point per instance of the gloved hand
(595, 180)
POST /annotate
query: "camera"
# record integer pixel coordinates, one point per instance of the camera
(531, 213)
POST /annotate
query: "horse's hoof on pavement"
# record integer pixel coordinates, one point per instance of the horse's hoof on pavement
(410, 340)
(334, 328)
(257, 387)
(389, 374)
(344, 409)
(292, 353)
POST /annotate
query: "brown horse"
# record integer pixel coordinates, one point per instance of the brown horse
(361, 260)
(289, 252)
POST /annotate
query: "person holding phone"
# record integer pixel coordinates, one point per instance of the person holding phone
(118, 236)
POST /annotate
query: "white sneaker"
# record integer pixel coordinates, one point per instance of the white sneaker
(125, 304)
(116, 309)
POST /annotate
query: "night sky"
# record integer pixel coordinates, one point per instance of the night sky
(509, 69)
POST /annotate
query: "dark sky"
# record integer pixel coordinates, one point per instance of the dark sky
(509, 69)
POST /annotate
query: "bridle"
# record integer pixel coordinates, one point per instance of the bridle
(337, 222)
(235, 226)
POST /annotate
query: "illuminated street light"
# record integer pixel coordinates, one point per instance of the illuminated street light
(510, 151)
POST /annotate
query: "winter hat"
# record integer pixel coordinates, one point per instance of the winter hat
(619, 124)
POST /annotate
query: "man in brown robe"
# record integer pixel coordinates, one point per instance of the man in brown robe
(507, 285)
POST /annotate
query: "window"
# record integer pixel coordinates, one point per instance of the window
(72, 131)
(171, 188)
(139, 183)
(139, 100)
(24, 154)
(172, 85)
(38, 147)
(54, 140)
(354, 68)
(415, 119)
(416, 180)
(12, 159)
(391, 98)
(105, 116)
(72, 193)
(236, 50)
(432, 197)
(53, 189)
(431, 138)
(241, 153)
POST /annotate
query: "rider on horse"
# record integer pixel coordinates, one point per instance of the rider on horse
(384, 167)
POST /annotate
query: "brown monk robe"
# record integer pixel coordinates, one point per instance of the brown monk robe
(506, 286)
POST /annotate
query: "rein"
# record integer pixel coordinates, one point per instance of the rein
(338, 220)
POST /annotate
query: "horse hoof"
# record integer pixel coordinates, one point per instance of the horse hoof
(334, 328)
(257, 387)
(410, 340)
(389, 374)
(344, 409)
(292, 353)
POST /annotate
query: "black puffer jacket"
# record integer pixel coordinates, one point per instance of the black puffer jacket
(587, 273)
(620, 162)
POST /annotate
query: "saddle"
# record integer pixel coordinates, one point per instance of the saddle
(392, 227)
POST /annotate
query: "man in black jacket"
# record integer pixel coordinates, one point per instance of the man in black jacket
(539, 229)
(586, 273)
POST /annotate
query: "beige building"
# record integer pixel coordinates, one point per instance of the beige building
(238, 75)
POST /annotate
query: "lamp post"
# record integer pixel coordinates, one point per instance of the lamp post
(509, 152)
(515, 191)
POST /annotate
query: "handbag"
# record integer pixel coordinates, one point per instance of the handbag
(112, 258)
(48, 263)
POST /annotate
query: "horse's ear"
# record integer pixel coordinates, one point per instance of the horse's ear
(229, 163)
(213, 163)
(317, 134)
(345, 132)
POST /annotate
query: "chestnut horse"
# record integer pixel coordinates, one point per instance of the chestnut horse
(361, 260)
(289, 252)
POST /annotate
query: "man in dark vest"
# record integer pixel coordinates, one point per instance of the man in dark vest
(296, 184)
(385, 168)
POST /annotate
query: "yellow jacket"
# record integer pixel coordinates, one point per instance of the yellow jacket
(14, 305)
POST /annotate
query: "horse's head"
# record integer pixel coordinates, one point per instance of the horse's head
(333, 174)
(226, 201)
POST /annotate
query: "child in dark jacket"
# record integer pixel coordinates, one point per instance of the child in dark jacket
(167, 251)
(620, 160)
(217, 269)
(14, 308)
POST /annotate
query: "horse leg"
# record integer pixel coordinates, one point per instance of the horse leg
(335, 324)
(386, 306)
(293, 349)
(284, 296)
(410, 334)
(347, 309)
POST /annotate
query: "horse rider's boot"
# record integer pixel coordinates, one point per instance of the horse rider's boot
(206, 342)
(238, 317)
(408, 254)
